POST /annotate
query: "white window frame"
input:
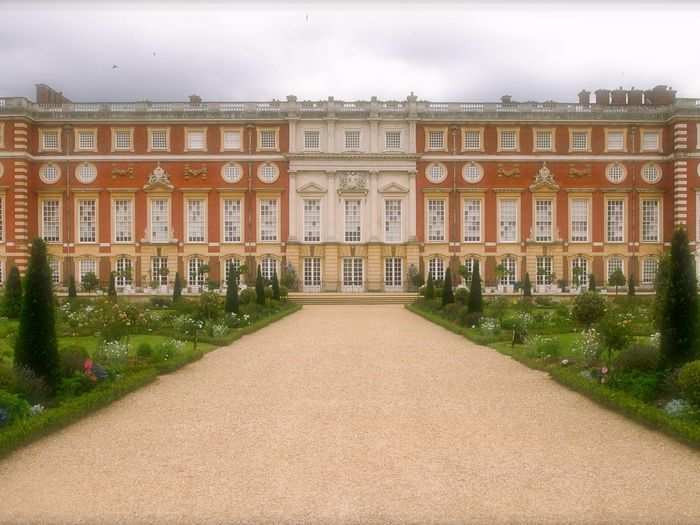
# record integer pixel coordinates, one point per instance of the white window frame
(435, 231)
(59, 218)
(468, 218)
(347, 133)
(390, 273)
(150, 146)
(509, 278)
(390, 147)
(168, 222)
(575, 263)
(645, 270)
(466, 132)
(3, 221)
(43, 133)
(119, 266)
(516, 139)
(312, 274)
(55, 272)
(609, 272)
(433, 132)
(607, 219)
(195, 278)
(115, 219)
(156, 262)
(265, 235)
(393, 231)
(312, 222)
(79, 220)
(545, 262)
(94, 262)
(643, 234)
(433, 263)
(115, 139)
(268, 267)
(429, 169)
(542, 233)
(87, 132)
(650, 132)
(222, 138)
(572, 221)
(190, 133)
(348, 234)
(189, 207)
(315, 136)
(233, 239)
(552, 135)
(516, 227)
(264, 132)
(572, 134)
(615, 132)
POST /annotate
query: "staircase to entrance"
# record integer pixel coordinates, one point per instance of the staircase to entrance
(353, 298)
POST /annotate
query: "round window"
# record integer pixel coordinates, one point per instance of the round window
(268, 173)
(472, 173)
(436, 173)
(615, 173)
(651, 173)
(50, 173)
(231, 172)
(86, 173)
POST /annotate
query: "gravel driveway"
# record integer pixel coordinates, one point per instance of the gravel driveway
(353, 414)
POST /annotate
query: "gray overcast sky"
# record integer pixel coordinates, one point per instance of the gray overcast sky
(263, 51)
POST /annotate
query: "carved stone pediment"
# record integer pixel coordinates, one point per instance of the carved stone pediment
(352, 182)
(544, 179)
(158, 179)
(311, 187)
(191, 173)
(513, 171)
(393, 187)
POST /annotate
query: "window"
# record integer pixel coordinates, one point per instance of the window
(579, 220)
(122, 140)
(86, 173)
(268, 173)
(436, 139)
(87, 220)
(86, 140)
(123, 272)
(160, 219)
(579, 272)
(159, 139)
(615, 140)
(616, 220)
(614, 264)
(353, 227)
(268, 268)
(472, 140)
(508, 214)
(86, 266)
(543, 220)
(232, 220)
(196, 139)
(472, 220)
(268, 139)
(235, 265)
(469, 265)
(651, 173)
(195, 273)
(50, 220)
(472, 172)
(268, 220)
(436, 173)
(579, 140)
(615, 173)
(392, 140)
(650, 220)
(393, 272)
(544, 140)
(159, 271)
(312, 139)
(50, 173)
(312, 273)
(392, 220)
(436, 220)
(507, 140)
(231, 172)
(436, 268)
(231, 139)
(352, 139)
(650, 141)
(50, 140)
(312, 220)
(55, 267)
(123, 220)
(649, 268)
(508, 276)
(544, 270)
(196, 220)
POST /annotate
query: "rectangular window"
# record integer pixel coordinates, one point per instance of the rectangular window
(122, 140)
(393, 272)
(436, 220)
(436, 140)
(196, 220)
(50, 140)
(196, 139)
(616, 220)
(392, 220)
(392, 140)
(543, 140)
(232, 140)
(159, 271)
(232, 220)
(159, 139)
(123, 220)
(353, 226)
(312, 139)
(616, 141)
(650, 141)
(312, 220)
(509, 271)
(160, 219)
(436, 268)
(579, 220)
(312, 273)
(543, 220)
(352, 139)
(87, 220)
(268, 139)
(87, 266)
(472, 140)
(50, 220)
(123, 272)
(649, 269)
(508, 140)
(235, 265)
(650, 220)
(544, 270)
(86, 140)
(508, 214)
(579, 141)
(472, 220)
(54, 266)
(268, 220)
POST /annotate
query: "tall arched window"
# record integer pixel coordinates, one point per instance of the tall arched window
(436, 268)
(507, 278)
(579, 272)
(268, 266)
(229, 264)
(195, 274)
(123, 272)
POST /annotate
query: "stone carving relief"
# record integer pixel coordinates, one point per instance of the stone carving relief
(191, 173)
(158, 178)
(544, 179)
(508, 172)
(123, 172)
(578, 173)
(352, 182)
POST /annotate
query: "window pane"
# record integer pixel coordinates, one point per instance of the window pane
(543, 220)
(232, 220)
(579, 220)
(268, 220)
(616, 229)
(87, 221)
(232, 140)
(650, 220)
(50, 221)
(392, 220)
(472, 220)
(196, 221)
(436, 220)
(122, 220)
(312, 220)
(508, 219)
(353, 228)
(160, 231)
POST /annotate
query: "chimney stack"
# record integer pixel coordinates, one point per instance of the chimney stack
(506, 99)
(584, 97)
(602, 97)
(619, 97)
(195, 99)
(47, 95)
(634, 97)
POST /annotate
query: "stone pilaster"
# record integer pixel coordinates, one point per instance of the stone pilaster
(680, 174)
(20, 197)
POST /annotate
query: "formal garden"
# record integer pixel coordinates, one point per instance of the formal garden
(62, 359)
(635, 354)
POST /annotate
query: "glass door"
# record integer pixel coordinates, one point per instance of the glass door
(352, 274)
(312, 274)
(393, 273)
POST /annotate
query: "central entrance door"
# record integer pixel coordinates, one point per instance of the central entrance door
(312, 274)
(353, 274)
(393, 274)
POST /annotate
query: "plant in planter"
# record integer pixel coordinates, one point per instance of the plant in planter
(617, 279)
(89, 282)
(562, 284)
(289, 278)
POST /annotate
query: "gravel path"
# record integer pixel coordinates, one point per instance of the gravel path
(350, 414)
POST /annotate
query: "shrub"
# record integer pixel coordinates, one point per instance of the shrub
(638, 357)
(641, 384)
(546, 347)
(591, 282)
(284, 292)
(527, 286)
(289, 278)
(476, 301)
(247, 296)
(112, 354)
(259, 288)
(447, 294)
(167, 350)
(144, 352)
(429, 291)
(30, 386)
(544, 301)
(489, 326)
(498, 307)
(231, 303)
(112, 290)
(89, 282)
(13, 294)
(461, 296)
(617, 279)
(615, 333)
(76, 385)
(275, 286)
(470, 319)
(14, 406)
(268, 292)
(689, 382)
(160, 302)
(7, 377)
(210, 306)
(590, 346)
(588, 309)
(451, 311)
(630, 286)
(72, 360)
(72, 292)
(177, 287)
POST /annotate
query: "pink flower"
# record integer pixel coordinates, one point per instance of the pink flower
(604, 370)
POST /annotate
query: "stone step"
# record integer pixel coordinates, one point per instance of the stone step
(352, 298)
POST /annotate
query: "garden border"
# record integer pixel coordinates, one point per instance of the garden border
(618, 401)
(28, 430)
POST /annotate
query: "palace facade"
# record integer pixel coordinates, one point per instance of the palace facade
(351, 196)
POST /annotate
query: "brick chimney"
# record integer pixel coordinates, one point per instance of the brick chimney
(584, 97)
(195, 99)
(602, 97)
(47, 95)
(619, 97)
(661, 95)
(634, 97)
(506, 99)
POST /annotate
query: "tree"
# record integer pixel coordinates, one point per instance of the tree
(13, 294)
(589, 308)
(630, 286)
(476, 301)
(527, 286)
(448, 295)
(177, 287)
(231, 304)
(275, 286)
(577, 274)
(89, 282)
(591, 282)
(430, 287)
(112, 290)
(259, 288)
(617, 279)
(676, 291)
(36, 346)
(72, 292)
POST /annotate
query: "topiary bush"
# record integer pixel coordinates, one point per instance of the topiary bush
(144, 352)
(76, 385)
(470, 319)
(689, 383)
(284, 292)
(638, 357)
(461, 296)
(13, 294)
(588, 308)
(72, 359)
(247, 296)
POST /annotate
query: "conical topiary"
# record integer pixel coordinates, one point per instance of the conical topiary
(259, 288)
(275, 287)
(448, 295)
(13, 294)
(112, 290)
(231, 304)
(177, 287)
(72, 291)
(527, 286)
(475, 302)
(430, 287)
